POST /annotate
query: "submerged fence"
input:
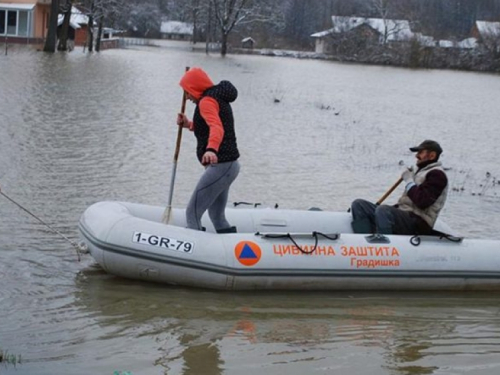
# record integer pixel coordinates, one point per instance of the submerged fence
(126, 42)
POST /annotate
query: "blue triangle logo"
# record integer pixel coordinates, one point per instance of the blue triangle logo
(247, 253)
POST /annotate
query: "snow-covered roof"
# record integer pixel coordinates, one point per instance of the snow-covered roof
(17, 6)
(425, 40)
(465, 43)
(468, 43)
(76, 20)
(486, 28)
(400, 30)
(176, 27)
(446, 43)
(322, 34)
(248, 39)
(396, 29)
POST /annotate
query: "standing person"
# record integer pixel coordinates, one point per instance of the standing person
(418, 208)
(217, 151)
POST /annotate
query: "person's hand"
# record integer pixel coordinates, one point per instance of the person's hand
(182, 120)
(408, 176)
(209, 157)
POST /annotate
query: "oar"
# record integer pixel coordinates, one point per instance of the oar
(168, 210)
(388, 192)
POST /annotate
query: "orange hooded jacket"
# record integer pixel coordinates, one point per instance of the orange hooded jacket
(195, 82)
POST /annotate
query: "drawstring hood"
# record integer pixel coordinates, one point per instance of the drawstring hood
(195, 82)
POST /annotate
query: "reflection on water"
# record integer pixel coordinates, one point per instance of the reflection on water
(197, 331)
(76, 129)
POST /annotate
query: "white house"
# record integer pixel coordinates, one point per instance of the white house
(488, 33)
(390, 30)
(176, 30)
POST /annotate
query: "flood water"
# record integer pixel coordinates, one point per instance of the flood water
(77, 129)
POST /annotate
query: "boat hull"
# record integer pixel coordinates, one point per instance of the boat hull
(281, 250)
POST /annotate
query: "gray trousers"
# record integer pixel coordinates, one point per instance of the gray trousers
(211, 193)
(382, 219)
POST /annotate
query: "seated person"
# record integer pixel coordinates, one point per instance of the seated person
(418, 208)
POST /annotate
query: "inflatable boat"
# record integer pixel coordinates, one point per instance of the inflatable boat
(282, 249)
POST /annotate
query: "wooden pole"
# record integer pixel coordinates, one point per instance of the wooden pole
(168, 209)
(389, 192)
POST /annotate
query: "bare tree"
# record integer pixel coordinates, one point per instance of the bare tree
(50, 41)
(197, 9)
(490, 39)
(99, 11)
(208, 31)
(104, 11)
(384, 9)
(229, 13)
(194, 11)
(100, 25)
(63, 35)
(303, 17)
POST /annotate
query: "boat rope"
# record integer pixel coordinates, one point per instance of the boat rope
(416, 240)
(315, 235)
(236, 204)
(255, 205)
(452, 238)
(79, 248)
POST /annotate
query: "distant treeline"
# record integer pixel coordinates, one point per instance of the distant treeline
(442, 19)
(289, 23)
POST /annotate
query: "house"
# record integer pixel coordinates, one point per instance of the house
(469, 43)
(390, 31)
(176, 30)
(384, 30)
(247, 42)
(78, 26)
(484, 29)
(24, 21)
(321, 37)
(487, 34)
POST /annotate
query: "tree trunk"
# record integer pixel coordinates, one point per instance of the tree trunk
(223, 46)
(195, 28)
(209, 27)
(90, 33)
(63, 37)
(99, 36)
(50, 41)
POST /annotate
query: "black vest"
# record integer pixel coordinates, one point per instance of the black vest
(224, 93)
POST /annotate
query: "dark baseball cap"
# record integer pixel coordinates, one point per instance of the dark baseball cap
(429, 146)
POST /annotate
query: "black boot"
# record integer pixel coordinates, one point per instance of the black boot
(227, 230)
(362, 226)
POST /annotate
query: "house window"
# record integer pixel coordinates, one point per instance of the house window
(11, 22)
(2, 22)
(14, 22)
(23, 24)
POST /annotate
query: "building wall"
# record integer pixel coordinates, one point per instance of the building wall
(320, 45)
(41, 16)
(81, 36)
